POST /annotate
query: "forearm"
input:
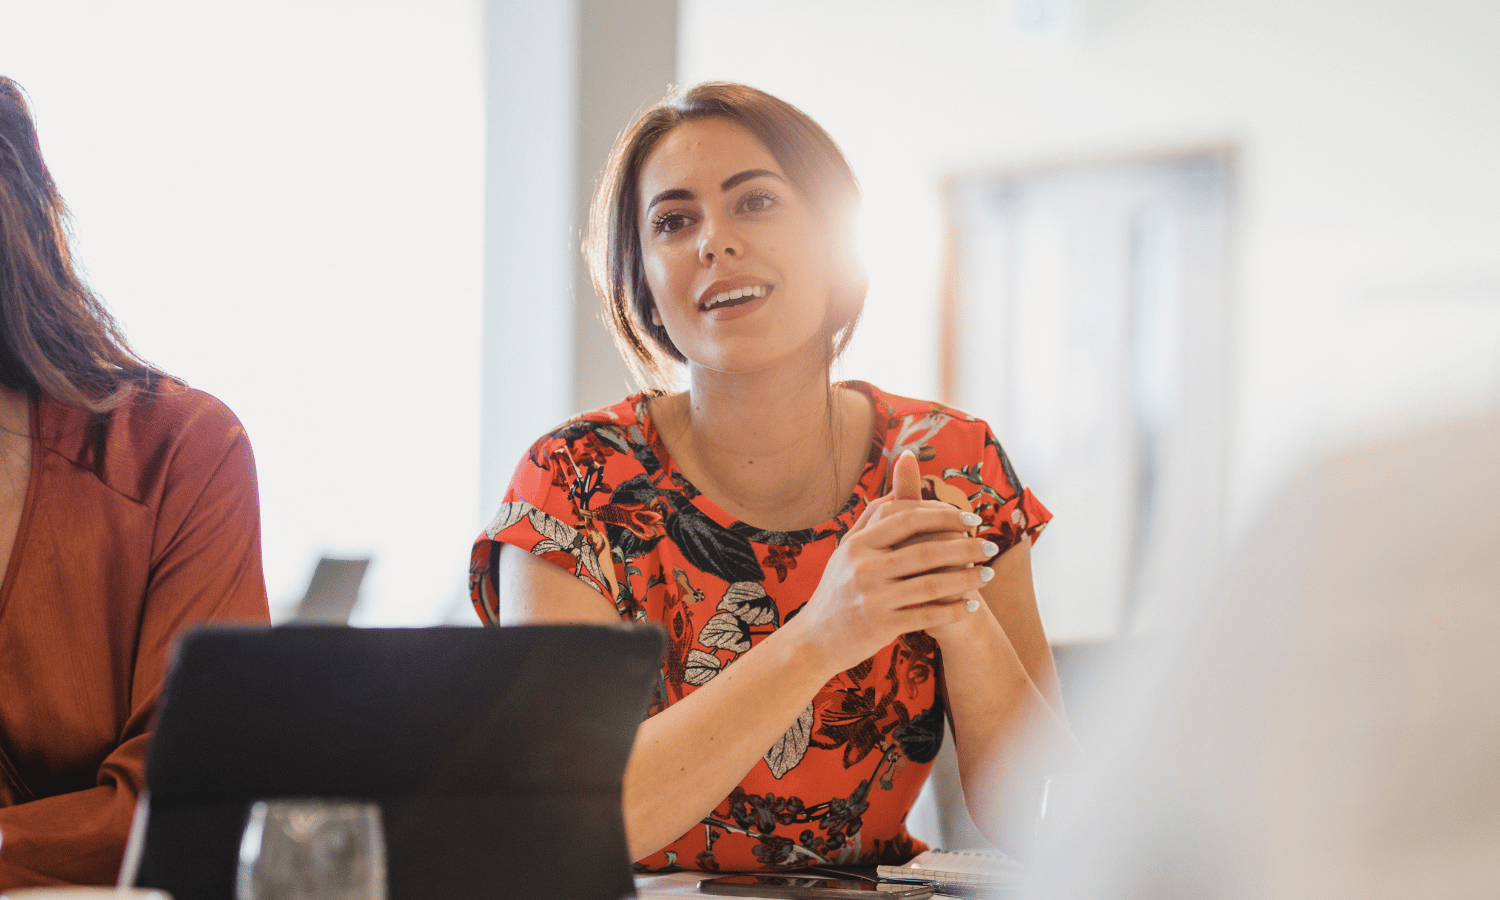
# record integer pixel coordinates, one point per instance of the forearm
(688, 757)
(74, 838)
(1008, 735)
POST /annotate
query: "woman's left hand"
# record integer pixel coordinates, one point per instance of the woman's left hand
(906, 491)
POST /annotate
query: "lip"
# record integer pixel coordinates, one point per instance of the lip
(729, 284)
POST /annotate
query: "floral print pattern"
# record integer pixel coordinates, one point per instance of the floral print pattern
(601, 498)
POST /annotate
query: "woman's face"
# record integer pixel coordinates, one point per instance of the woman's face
(738, 262)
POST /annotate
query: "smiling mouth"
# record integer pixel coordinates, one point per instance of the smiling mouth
(736, 297)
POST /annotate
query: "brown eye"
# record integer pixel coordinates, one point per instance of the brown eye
(668, 223)
(757, 201)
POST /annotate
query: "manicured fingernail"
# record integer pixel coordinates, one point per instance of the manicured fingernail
(971, 519)
(986, 573)
(972, 606)
(990, 548)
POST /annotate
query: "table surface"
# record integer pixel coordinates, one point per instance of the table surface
(671, 884)
(677, 884)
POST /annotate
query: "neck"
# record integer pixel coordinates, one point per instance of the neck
(15, 412)
(757, 416)
(773, 449)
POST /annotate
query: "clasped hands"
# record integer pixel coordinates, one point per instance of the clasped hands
(907, 564)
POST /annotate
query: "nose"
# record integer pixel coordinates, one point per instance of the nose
(718, 240)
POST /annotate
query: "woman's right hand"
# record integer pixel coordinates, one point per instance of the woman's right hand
(880, 583)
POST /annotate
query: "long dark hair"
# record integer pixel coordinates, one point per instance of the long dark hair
(56, 337)
(811, 160)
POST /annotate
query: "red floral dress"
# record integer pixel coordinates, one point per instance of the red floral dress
(601, 498)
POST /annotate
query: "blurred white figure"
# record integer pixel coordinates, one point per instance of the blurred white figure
(1329, 727)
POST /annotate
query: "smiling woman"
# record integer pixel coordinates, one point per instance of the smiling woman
(808, 546)
(784, 150)
(723, 232)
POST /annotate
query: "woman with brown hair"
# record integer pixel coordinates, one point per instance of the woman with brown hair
(838, 569)
(128, 510)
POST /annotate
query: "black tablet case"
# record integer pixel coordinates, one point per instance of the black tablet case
(496, 754)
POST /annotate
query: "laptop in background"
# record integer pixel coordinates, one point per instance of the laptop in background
(496, 754)
(333, 591)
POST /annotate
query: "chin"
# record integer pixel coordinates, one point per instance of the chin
(762, 355)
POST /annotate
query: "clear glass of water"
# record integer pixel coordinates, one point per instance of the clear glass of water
(312, 849)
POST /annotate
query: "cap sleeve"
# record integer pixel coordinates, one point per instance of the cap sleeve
(540, 517)
(1009, 509)
(976, 475)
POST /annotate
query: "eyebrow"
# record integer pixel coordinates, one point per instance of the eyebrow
(728, 184)
(745, 176)
(673, 194)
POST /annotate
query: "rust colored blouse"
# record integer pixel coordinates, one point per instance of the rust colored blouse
(602, 498)
(136, 523)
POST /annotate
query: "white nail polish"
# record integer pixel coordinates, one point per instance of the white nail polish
(972, 606)
(990, 548)
(971, 519)
(986, 573)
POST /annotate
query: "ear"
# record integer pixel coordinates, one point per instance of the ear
(850, 284)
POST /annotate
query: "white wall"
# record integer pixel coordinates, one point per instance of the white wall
(531, 110)
(1367, 271)
(562, 78)
(282, 202)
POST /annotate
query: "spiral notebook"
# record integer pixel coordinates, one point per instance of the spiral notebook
(987, 867)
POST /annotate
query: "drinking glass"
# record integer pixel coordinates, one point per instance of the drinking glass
(312, 849)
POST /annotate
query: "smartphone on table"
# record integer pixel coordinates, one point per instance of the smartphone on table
(811, 887)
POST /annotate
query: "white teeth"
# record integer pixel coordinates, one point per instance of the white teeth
(758, 290)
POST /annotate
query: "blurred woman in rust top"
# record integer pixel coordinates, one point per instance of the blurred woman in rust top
(128, 510)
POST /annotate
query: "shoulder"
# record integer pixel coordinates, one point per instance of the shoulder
(959, 444)
(160, 433)
(630, 412)
(582, 457)
(622, 427)
(173, 414)
(911, 407)
(905, 418)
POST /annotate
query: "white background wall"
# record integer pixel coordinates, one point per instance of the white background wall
(1367, 256)
(282, 202)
